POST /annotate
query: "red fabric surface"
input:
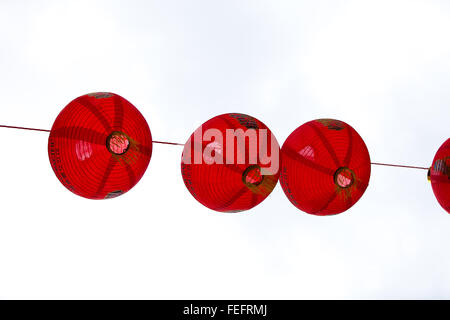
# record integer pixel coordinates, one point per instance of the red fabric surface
(99, 146)
(228, 187)
(440, 175)
(325, 167)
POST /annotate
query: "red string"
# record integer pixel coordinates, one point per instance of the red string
(45, 130)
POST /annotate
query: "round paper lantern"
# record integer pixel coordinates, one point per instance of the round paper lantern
(325, 167)
(231, 163)
(99, 146)
(440, 175)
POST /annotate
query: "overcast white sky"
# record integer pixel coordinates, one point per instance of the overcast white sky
(381, 66)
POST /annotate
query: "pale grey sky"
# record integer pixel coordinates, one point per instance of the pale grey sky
(381, 66)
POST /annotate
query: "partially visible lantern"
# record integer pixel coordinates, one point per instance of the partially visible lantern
(325, 167)
(99, 146)
(231, 163)
(439, 175)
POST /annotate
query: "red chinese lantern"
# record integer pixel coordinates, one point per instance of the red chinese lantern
(99, 146)
(439, 175)
(325, 167)
(231, 163)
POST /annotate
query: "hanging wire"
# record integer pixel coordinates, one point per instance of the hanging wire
(398, 166)
(23, 128)
(45, 130)
(179, 144)
(171, 143)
